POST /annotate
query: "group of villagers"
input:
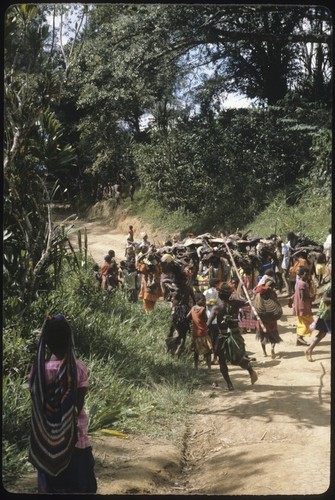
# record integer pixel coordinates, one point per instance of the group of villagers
(222, 286)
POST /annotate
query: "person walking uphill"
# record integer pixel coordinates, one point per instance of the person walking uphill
(269, 310)
(230, 344)
(59, 446)
(302, 306)
(201, 341)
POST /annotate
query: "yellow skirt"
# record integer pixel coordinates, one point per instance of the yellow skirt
(303, 323)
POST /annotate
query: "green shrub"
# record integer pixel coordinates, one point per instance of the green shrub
(179, 221)
(15, 409)
(310, 217)
(14, 462)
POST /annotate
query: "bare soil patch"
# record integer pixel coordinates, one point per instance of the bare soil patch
(271, 438)
(108, 229)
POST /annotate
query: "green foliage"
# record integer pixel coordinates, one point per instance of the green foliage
(202, 168)
(14, 462)
(15, 422)
(34, 148)
(48, 148)
(164, 407)
(310, 217)
(320, 175)
(17, 348)
(173, 222)
(169, 63)
(33, 252)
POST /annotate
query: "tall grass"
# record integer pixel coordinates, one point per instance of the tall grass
(310, 217)
(174, 222)
(135, 386)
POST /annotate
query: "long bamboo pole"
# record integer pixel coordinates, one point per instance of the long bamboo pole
(245, 289)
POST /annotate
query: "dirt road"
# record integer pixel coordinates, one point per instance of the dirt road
(110, 232)
(271, 438)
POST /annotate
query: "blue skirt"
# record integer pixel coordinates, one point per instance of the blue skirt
(78, 477)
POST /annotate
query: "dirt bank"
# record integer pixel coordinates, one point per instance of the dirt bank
(271, 438)
(109, 230)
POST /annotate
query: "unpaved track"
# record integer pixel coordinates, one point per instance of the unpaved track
(272, 438)
(107, 232)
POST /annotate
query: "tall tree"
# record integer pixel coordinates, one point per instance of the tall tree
(34, 147)
(255, 49)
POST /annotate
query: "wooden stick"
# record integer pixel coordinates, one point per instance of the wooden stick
(245, 290)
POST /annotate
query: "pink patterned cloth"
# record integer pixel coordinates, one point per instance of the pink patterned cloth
(302, 306)
(51, 369)
(247, 319)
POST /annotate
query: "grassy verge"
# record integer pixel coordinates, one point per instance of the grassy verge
(135, 386)
(310, 217)
(178, 222)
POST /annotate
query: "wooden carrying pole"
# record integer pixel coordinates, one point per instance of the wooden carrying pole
(245, 289)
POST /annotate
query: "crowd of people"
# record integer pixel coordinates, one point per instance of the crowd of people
(236, 276)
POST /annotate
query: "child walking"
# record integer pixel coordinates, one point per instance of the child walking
(59, 445)
(130, 234)
(201, 341)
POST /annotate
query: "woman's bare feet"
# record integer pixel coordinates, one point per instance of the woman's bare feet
(308, 355)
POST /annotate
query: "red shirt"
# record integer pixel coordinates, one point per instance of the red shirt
(105, 268)
(302, 306)
(199, 319)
